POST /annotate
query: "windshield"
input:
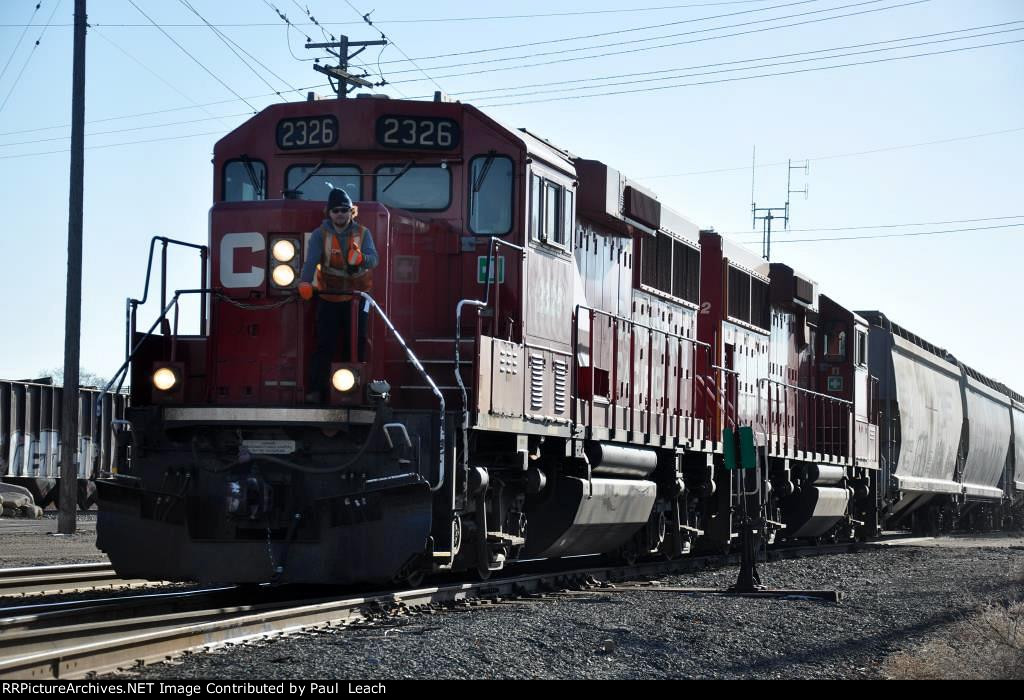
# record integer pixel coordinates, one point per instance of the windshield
(419, 188)
(244, 180)
(490, 208)
(328, 177)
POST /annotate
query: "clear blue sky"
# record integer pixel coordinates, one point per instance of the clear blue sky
(959, 289)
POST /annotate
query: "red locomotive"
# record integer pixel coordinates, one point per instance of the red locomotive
(555, 364)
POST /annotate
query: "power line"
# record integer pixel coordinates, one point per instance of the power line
(385, 37)
(764, 65)
(154, 112)
(194, 59)
(30, 55)
(882, 226)
(20, 39)
(840, 155)
(755, 77)
(898, 235)
(130, 128)
(615, 32)
(667, 36)
(112, 145)
(289, 25)
(227, 41)
(423, 20)
(728, 63)
(149, 70)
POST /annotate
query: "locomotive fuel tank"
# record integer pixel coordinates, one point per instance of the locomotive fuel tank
(580, 516)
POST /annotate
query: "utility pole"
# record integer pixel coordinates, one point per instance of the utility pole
(340, 50)
(67, 519)
(768, 214)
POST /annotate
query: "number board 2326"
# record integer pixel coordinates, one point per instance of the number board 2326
(425, 133)
(307, 132)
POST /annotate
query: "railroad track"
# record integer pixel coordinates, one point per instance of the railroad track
(76, 638)
(72, 578)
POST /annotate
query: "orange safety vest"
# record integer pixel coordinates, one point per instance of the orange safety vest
(332, 276)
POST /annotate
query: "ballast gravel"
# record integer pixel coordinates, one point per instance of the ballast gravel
(895, 599)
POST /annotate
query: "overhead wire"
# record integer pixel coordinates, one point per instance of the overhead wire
(189, 54)
(485, 18)
(838, 155)
(755, 77)
(473, 94)
(616, 32)
(102, 35)
(112, 145)
(289, 26)
(745, 68)
(385, 37)
(641, 49)
(895, 235)
(130, 128)
(21, 38)
(31, 53)
(152, 112)
(328, 37)
(387, 42)
(874, 227)
(232, 45)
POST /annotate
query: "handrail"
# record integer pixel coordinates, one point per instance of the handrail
(430, 382)
(122, 370)
(481, 304)
(804, 390)
(131, 305)
(670, 338)
(493, 255)
(834, 444)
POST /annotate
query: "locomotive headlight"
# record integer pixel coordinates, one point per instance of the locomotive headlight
(283, 251)
(164, 379)
(283, 275)
(343, 380)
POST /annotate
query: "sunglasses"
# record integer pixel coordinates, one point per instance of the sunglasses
(340, 210)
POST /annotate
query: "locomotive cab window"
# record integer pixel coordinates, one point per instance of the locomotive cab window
(316, 184)
(550, 211)
(490, 200)
(245, 180)
(414, 187)
(861, 350)
(835, 342)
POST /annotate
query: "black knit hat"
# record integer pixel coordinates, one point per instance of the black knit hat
(339, 198)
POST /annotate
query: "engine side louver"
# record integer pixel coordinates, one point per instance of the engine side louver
(536, 382)
(561, 368)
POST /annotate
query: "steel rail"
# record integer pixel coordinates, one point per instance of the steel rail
(28, 651)
(40, 580)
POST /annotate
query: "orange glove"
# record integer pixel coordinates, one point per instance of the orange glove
(305, 290)
(355, 256)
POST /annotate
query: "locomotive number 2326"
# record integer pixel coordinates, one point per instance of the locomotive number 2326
(432, 133)
(307, 132)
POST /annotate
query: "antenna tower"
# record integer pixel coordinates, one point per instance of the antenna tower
(769, 214)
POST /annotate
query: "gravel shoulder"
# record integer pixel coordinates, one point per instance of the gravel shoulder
(36, 542)
(897, 599)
